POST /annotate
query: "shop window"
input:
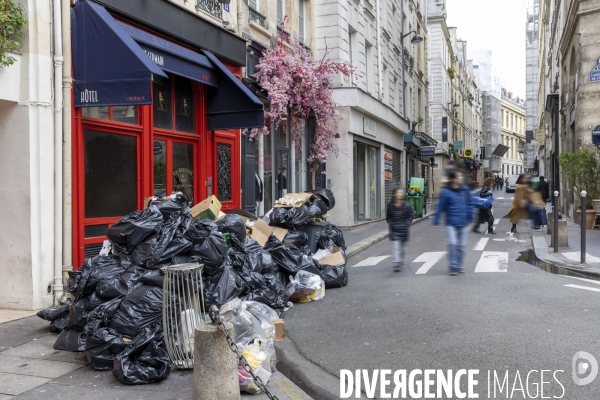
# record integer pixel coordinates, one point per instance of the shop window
(124, 114)
(163, 107)
(174, 93)
(184, 105)
(110, 174)
(183, 169)
(175, 159)
(224, 171)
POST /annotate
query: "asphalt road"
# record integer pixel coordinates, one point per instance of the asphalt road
(502, 315)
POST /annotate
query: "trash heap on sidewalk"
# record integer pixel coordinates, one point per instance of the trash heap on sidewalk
(253, 270)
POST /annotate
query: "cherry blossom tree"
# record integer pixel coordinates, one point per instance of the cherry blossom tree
(298, 83)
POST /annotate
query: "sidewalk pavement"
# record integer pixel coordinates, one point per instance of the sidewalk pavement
(567, 260)
(30, 368)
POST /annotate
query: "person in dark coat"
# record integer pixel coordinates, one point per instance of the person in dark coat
(543, 189)
(486, 216)
(399, 217)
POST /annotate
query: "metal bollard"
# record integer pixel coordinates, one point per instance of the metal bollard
(215, 365)
(555, 233)
(583, 225)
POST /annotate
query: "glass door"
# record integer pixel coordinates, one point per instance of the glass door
(226, 164)
(366, 182)
(174, 168)
(283, 172)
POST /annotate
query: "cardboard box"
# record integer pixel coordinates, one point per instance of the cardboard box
(294, 200)
(279, 329)
(258, 229)
(208, 208)
(336, 258)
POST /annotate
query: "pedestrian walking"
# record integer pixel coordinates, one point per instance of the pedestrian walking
(486, 216)
(497, 182)
(455, 203)
(543, 189)
(524, 205)
(399, 216)
(501, 182)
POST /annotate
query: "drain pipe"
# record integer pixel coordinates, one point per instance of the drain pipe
(67, 237)
(58, 142)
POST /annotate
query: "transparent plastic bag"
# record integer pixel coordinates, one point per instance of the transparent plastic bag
(305, 287)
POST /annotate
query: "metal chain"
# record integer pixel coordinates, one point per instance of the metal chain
(215, 316)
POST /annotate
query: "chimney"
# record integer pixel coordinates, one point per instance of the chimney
(510, 95)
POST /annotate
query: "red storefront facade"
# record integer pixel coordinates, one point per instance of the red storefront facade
(124, 153)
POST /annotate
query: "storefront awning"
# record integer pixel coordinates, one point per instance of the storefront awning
(109, 67)
(232, 105)
(114, 63)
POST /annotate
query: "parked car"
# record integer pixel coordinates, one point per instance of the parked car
(511, 183)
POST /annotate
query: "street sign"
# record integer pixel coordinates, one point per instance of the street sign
(468, 153)
(539, 134)
(595, 74)
(427, 151)
(458, 144)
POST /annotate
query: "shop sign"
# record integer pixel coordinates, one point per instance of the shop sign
(388, 161)
(458, 144)
(369, 127)
(427, 151)
(595, 74)
(539, 134)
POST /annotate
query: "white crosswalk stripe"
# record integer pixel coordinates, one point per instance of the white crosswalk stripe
(500, 198)
(492, 261)
(496, 221)
(429, 259)
(481, 245)
(369, 262)
(583, 279)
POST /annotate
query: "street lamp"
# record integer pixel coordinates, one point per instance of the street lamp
(415, 39)
(454, 106)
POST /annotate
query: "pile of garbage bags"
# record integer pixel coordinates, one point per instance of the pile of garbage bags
(116, 311)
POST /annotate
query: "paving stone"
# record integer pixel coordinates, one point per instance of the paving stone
(15, 333)
(35, 367)
(14, 384)
(43, 349)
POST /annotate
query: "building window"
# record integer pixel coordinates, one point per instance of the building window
(280, 11)
(302, 19)
(253, 4)
(174, 105)
(367, 77)
(350, 53)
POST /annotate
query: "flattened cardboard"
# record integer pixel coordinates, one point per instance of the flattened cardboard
(258, 229)
(336, 258)
(208, 208)
(300, 199)
(279, 329)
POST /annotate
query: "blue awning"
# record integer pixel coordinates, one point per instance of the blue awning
(109, 67)
(113, 65)
(232, 105)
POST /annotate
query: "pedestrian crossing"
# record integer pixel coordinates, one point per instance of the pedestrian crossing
(588, 288)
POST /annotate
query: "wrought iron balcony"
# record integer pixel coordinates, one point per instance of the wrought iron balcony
(257, 17)
(213, 7)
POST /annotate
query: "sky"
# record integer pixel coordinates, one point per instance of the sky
(496, 25)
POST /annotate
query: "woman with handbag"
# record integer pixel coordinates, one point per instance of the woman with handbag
(523, 206)
(486, 216)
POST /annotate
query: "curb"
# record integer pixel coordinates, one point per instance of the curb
(546, 261)
(370, 241)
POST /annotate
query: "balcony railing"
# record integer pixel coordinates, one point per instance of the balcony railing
(213, 7)
(257, 17)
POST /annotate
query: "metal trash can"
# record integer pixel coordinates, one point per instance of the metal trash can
(314, 230)
(183, 311)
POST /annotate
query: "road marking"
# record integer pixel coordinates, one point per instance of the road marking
(492, 261)
(512, 198)
(583, 279)
(481, 245)
(576, 256)
(496, 221)
(368, 262)
(429, 259)
(500, 198)
(584, 288)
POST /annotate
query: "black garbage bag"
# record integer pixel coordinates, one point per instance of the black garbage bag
(222, 287)
(335, 276)
(291, 218)
(70, 340)
(102, 315)
(143, 251)
(93, 270)
(280, 216)
(296, 237)
(277, 283)
(93, 301)
(171, 240)
(268, 265)
(144, 360)
(171, 206)
(140, 308)
(199, 230)
(285, 256)
(52, 314)
(134, 228)
(73, 284)
(325, 195)
(311, 265)
(102, 347)
(316, 208)
(153, 278)
(212, 252)
(234, 225)
(122, 284)
(78, 313)
(276, 301)
(249, 256)
(59, 325)
(325, 242)
(306, 251)
(333, 232)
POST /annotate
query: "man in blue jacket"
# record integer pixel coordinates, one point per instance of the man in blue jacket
(455, 201)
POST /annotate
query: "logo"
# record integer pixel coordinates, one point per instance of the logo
(158, 59)
(468, 153)
(584, 364)
(89, 96)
